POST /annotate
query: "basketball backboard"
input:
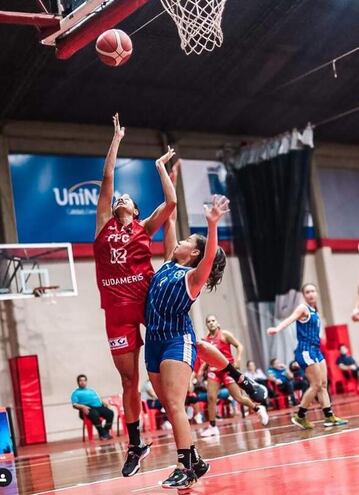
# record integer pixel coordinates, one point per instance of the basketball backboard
(32, 270)
(70, 32)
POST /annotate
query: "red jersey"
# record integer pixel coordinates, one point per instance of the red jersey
(123, 263)
(219, 341)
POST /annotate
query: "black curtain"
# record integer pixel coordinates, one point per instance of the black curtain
(268, 206)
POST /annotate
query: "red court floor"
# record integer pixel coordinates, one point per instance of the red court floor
(245, 459)
(327, 465)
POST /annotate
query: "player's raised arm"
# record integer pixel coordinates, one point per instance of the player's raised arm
(163, 212)
(104, 205)
(199, 276)
(170, 235)
(300, 312)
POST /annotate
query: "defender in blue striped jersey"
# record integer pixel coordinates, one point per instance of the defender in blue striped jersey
(168, 304)
(170, 348)
(309, 357)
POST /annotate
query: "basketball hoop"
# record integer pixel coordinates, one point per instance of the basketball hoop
(198, 23)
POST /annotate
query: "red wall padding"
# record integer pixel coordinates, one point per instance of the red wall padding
(28, 399)
(336, 335)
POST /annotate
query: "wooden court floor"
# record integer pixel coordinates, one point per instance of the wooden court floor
(247, 458)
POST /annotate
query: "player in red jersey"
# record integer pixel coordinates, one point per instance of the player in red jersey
(123, 271)
(223, 340)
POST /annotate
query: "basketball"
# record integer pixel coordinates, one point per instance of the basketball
(114, 47)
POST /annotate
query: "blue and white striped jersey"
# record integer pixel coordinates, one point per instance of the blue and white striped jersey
(308, 331)
(168, 303)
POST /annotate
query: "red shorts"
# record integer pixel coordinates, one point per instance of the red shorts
(123, 327)
(221, 377)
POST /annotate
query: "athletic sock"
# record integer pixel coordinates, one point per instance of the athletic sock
(302, 411)
(235, 374)
(194, 455)
(134, 433)
(184, 457)
(239, 378)
(327, 411)
(212, 423)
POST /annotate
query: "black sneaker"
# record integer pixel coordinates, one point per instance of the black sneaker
(200, 468)
(256, 391)
(180, 479)
(106, 436)
(134, 458)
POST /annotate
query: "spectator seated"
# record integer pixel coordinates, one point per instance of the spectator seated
(283, 379)
(88, 403)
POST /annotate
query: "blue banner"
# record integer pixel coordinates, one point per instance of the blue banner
(55, 197)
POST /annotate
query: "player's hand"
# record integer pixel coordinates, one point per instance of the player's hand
(272, 331)
(166, 157)
(355, 315)
(118, 131)
(86, 410)
(217, 210)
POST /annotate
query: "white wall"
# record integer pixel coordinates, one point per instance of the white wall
(346, 270)
(343, 274)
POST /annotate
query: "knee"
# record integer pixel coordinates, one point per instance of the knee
(129, 381)
(110, 414)
(324, 385)
(173, 406)
(211, 398)
(316, 386)
(200, 346)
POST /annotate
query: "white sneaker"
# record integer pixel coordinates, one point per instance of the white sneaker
(166, 425)
(198, 418)
(189, 412)
(263, 415)
(211, 431)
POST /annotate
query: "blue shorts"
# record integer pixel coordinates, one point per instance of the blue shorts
(308, 356)
(181, 348)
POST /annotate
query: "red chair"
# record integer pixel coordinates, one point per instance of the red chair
(116, 402)
(224, 408)
(88, 426)
(338, 382)
(281, 399)
(149, 417)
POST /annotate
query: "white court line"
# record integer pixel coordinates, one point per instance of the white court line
(262, 468)
(212, 459)
(21, 461)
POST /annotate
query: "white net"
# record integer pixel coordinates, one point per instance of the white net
(198, 23)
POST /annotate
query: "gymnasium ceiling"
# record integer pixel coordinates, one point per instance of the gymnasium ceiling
(232, 90)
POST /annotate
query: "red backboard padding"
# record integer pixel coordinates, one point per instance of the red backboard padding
(110, 17)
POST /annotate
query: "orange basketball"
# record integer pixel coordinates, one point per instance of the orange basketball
(114, 47)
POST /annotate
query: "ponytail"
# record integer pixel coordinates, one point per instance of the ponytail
(219, 263)
(216, 275)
